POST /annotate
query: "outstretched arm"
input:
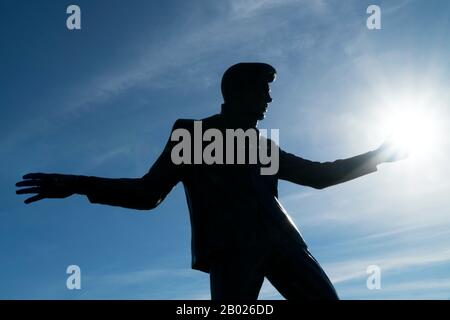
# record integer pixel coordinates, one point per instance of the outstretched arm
(129, 193)
(139, 193)
(320, 175)
(144, 193)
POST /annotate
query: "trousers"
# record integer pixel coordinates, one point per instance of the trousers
(238, 274)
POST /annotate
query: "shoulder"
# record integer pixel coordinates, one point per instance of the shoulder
(182, 123)
(188, 124)
(269, 142)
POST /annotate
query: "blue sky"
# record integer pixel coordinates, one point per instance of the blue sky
(101, 101)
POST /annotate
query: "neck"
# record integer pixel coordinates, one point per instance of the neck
(236, 120)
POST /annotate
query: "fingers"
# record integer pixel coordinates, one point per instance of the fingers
(29, 190)
(34, 181)
(28, 183)
(34, 198)
(37, 175)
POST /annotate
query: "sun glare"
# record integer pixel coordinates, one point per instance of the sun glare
(412, 131)
(413, 128)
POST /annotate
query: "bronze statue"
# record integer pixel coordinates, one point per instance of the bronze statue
(240, 231)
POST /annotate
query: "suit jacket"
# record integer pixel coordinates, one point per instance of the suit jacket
(230, 206)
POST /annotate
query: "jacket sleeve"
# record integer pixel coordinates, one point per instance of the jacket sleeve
(320, 175)
(142, 193)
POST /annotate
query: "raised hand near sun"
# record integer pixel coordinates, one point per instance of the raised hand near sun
(391, 151)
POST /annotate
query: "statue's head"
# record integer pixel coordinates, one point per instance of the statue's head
(245, 89)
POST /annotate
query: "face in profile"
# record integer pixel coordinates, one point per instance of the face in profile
(255, 102)
(245, 90)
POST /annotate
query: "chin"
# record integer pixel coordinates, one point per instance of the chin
(261, 116)
(255, 116)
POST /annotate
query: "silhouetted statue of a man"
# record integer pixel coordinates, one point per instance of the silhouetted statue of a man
(240, 231)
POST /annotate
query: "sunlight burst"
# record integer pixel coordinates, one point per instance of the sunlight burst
(413, 126)
(412, 131)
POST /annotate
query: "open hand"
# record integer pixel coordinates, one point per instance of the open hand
(390, 151)
(46, 185)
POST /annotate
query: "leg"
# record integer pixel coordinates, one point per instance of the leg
(297, 275)
(237, 275)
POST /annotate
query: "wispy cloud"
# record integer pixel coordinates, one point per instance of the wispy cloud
(241, 9)
(200, 47)
(139, 276)
(437, 289)
(391, 260)
(179, 283)
(394, 261)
